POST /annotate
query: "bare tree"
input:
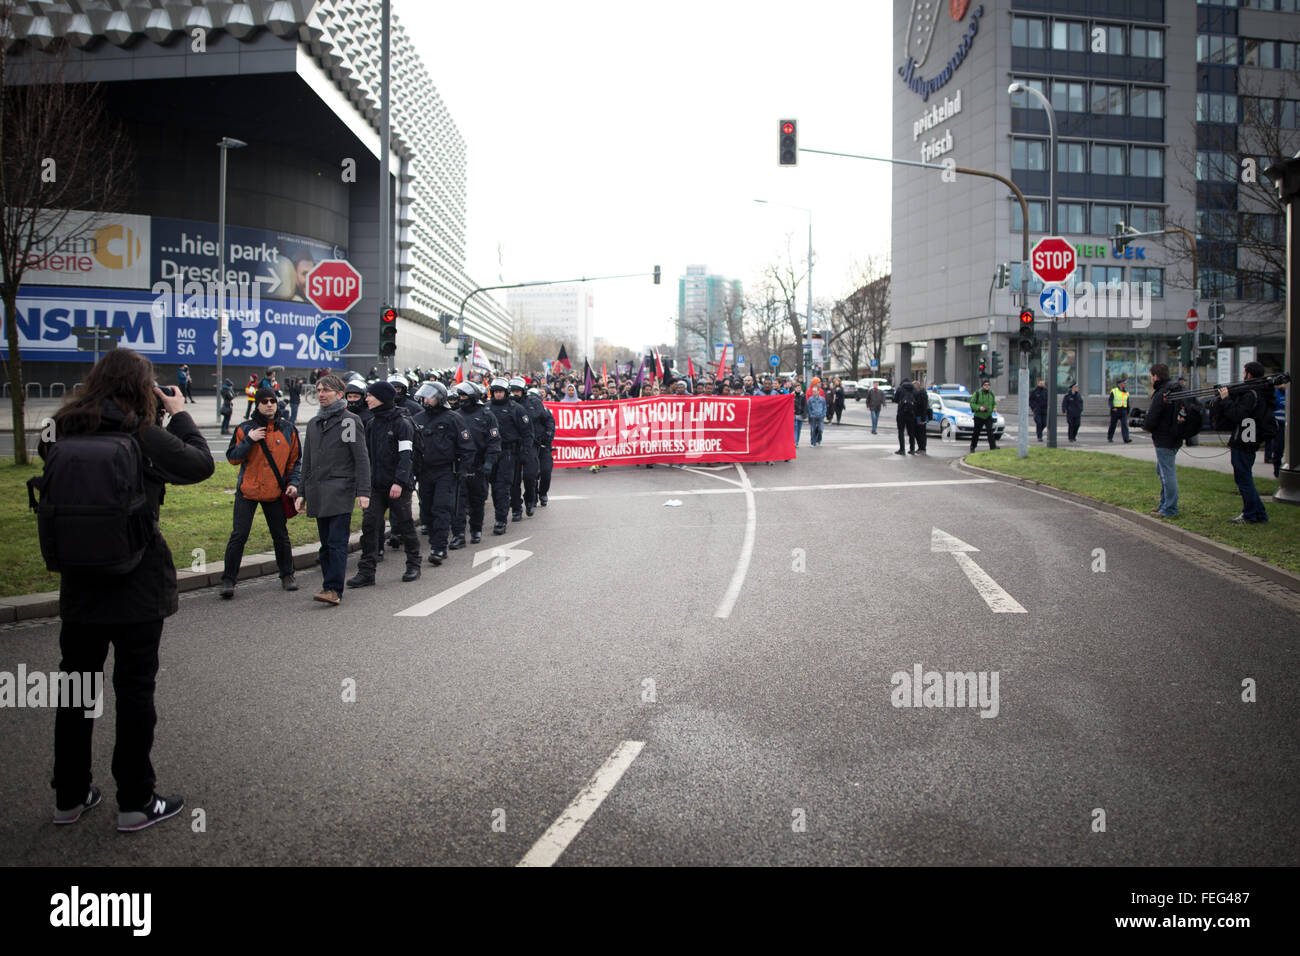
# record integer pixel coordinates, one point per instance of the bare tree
(860, 319)
(59, 152)
(1242, 242)
(530, 347)
(788, 276)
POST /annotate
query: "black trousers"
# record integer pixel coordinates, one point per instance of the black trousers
(470, 503)
(1072, 429)
(545, 465)
(245, 508)
(1120, 416)
(523, 488)
(503, 479)
(907, 430)
(921, 436)
(438, 487)
(135, 666)
(987, 425)
(372, 529)
(225, 422)
(1040, 422)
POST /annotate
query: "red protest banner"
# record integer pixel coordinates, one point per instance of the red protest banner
(676, 429)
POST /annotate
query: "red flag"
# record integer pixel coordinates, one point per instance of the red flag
(563, 359)
(690, 367)
(659, 365)
(604, 375)
(722, 363)
(460, 375)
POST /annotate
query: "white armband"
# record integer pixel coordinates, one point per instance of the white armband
(405, 446)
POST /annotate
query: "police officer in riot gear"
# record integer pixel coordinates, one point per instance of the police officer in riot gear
(543, 435)
(390, 439)
(446, 451)
(355, 394)
(525, 495)
(482, 427)
(516, 433)
(404, 401)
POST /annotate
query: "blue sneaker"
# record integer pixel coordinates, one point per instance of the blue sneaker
(156, 808)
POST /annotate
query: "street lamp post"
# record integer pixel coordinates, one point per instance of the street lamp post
(226, 144)
(808, 318)
(1013, 89)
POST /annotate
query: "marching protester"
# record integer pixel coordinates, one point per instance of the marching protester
(1160, 420)
(390, 441)
(269, 457)
(1072, 409)
(102, 605)
(335, 471)
(1250, 415)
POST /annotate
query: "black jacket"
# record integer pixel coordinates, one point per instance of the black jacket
(911, 402)
(543, 421)
(1233, 411)
(514, 423)
(1038, 400)
(486, 435)
(1161, 416)
(177, 455)
(1072, 405)
(445, 441)
(390, 439)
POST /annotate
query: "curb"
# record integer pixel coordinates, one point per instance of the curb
(1201, 543)
(26, 607)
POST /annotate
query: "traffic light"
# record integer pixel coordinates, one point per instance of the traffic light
(1217, 314)
(789, 151)
(388, 331)
(1003, 273)
(1185, 349)
(984, 368)
(462, 348)
(1121, 237)
(997, 365)
(446, 319)
(1027, 340)
(656, 275)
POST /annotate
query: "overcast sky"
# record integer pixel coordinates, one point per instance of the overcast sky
(604, 138)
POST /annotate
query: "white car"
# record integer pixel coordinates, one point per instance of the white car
(951, 417)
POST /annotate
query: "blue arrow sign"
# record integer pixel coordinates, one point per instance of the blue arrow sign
(774, 361)
(1054, 300)
(333, 334)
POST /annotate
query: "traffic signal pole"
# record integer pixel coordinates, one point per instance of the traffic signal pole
(1022, 408)
(1285, 175)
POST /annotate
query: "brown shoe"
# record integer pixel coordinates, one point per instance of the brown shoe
(327, 597)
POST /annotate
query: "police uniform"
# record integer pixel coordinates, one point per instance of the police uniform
(523, 486)
(446, 448)
(390, 439)
(472, 501)
(516, 433)
(1118, 413)
(544, 436)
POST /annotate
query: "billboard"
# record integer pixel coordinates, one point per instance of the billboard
(92, 249)
(260, 333)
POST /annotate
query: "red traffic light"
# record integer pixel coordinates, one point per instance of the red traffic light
(1027, 317)
(388, 315)
(787, 128)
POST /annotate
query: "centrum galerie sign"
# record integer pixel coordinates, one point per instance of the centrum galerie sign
(920, 34)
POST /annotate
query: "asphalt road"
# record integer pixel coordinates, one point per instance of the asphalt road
(764, 700)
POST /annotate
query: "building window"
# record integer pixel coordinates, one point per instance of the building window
(1101, 275)
(1072, 217)
(1148, 162)
(1105, 217)
(1212, 48)
(1148, 102)
(1148, 43)
(1027, 154)
(1114, 40)
(1107, 160)
(1069, 97)
(1108, 99)
(1155, 276)
(1067, 35)
(1216, 284)
(1071, 158)
(1029, 32)
(1215, 167)
(1216, 108)
(1037, 216)
(1216, 224)
(1024, 100)
(1147, 218)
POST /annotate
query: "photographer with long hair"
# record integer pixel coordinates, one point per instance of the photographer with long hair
(126, 610)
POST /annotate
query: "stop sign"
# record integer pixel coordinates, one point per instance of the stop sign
(334, 286)
(1051, 259)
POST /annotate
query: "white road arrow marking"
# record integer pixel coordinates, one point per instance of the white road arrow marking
(502, 557)
(998, 600)
(557, 838)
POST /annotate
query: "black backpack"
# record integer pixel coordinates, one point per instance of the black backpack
(93, 515)
(1189, 419)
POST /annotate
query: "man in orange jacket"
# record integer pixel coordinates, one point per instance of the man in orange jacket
(267, 437)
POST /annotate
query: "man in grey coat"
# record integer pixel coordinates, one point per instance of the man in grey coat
(335, 471)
